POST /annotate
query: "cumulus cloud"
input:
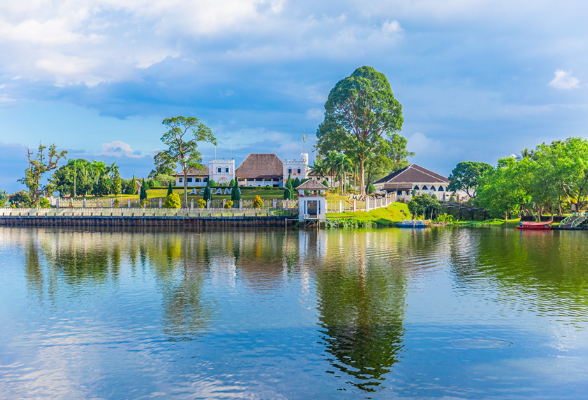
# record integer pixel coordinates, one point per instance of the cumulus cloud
(564, 80)
(390, 27)
(118, 148)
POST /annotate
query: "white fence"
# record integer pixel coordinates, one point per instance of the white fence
(141, 212)
(370, 203)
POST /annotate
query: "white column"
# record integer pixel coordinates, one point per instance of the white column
(224, 202)
(159, 203)
(340, 206)
(57, 203)
(367, 203)
(208, 204)
(129, 203)
(240, 204)
(192, 204)
(354, 205)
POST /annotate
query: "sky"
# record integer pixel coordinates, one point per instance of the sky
(477, 79)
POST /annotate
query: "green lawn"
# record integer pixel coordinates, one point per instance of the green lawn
(382, 216)
(246, 194)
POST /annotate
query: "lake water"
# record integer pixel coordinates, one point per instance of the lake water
(274, 314)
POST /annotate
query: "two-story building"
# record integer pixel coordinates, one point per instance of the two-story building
(260, 169)
(195, 177)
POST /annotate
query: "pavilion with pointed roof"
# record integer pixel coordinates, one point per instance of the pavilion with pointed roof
(414, 177)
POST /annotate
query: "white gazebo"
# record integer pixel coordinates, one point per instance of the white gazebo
(312, 206)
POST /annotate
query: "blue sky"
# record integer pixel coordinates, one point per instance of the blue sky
(477, 79)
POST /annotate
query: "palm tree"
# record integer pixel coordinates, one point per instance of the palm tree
(330, 163)
(76, 164)
(318, 169)
(343, 165)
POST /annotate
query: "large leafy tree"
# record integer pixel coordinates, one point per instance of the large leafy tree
(39, 164)
(359, 111)
(164, 165)
(465, 176)
(182, 139)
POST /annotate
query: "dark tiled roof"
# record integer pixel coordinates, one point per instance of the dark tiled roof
(413, 174)
(397, 186)
(257, 165)
(194, 172)
(312, 185)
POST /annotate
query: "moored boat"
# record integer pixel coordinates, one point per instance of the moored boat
(413, 224)
(535, 226)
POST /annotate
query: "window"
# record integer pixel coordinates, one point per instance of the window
(226, 170)
(181, 180)
(189, 179)
(298, 170)
(289, 170)
(399, 192)
(196, 179)
(425, 188)
(276, 179)
(205, 180)
(218, 170)
(440, 188)
(259, 180)
(416, 187)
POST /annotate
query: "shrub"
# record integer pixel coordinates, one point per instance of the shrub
(257, 202)
(229, 204)
(172, 201)
(20, 199)
(326, 183)
(44, 203)
(145, 203)
(153, 184)
(211, 183)
(116, 203)
(267, 188)
(201, 203)
(452, 199)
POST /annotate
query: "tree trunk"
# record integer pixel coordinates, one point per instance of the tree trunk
(361, 177)
(185, 187)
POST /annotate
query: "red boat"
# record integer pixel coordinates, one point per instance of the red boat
(536, 226)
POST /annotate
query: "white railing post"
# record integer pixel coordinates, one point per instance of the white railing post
(208, 204)
(240, 204)
(340, 206)
(160, 203)
(129, 203)
(367, 203)
(354, 205)
(192, 204)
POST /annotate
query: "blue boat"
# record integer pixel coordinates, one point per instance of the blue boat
(413, 224)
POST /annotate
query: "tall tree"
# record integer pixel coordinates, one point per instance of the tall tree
(76, 165)
(359, 111)
(39, 164)
(235, 193)
(182, 139)
(465, 176)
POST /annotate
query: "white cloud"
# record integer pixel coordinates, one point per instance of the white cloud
(390, 27)
(118, 148)
(564, 80)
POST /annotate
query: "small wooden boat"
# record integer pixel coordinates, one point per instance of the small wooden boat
(535, 226)
(413, 224)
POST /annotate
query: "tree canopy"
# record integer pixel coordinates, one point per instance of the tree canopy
(39, 164)
(360, 109)
(465, 176)
(182, 139)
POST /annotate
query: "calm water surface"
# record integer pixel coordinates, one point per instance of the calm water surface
(293, 315)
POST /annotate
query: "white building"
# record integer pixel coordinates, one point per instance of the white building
(195, 177)
(222, 171)
(414, 178)
(296, 168)
(260, 169)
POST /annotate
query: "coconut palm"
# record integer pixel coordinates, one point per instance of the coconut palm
(76, 165)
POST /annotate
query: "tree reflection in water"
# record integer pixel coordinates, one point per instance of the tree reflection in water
(361, 307)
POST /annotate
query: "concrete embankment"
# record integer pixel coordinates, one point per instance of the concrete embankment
(76, 220)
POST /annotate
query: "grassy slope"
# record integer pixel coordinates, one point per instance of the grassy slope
(381, 216)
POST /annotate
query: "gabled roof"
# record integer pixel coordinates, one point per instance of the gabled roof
(413, 174)
(194, 172)
(260, 165)
(311, 185)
